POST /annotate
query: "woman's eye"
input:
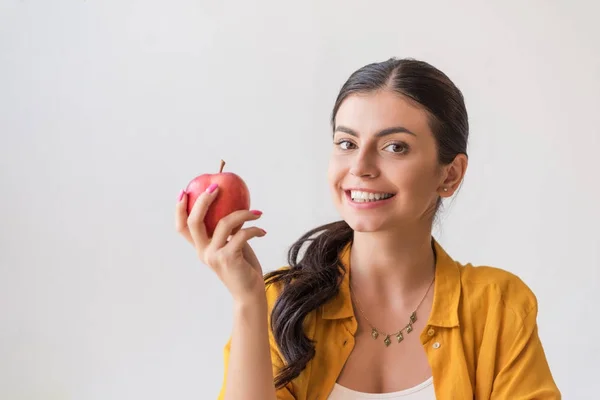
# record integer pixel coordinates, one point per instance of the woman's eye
(345, 144)
(397, 148)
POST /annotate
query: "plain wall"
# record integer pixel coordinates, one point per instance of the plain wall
(109, 108)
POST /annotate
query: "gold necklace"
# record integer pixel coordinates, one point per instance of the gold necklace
(408, 327)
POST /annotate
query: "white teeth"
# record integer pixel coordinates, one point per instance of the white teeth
(363, 197)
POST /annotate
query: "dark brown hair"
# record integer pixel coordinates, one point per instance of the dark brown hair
(313, 277)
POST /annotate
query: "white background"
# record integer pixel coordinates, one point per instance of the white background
(109, 108)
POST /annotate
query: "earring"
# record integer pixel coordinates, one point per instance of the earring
(445, 189)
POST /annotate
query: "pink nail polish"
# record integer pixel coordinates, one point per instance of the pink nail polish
(181, 195)
(256, 212)
(212, 188)
(264, 232)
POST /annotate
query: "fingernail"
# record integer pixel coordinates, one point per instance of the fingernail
(212, 188)
(256, 212)
(264, 232)
(181, 195)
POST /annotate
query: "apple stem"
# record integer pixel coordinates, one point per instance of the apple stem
(222, 165)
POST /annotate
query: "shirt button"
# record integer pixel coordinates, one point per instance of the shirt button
(431, 332)
(436, 345)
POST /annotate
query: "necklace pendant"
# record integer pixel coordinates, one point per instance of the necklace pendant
(387, 340)
(413, 317)
(374, 333)
(409, 328)
(399, 337)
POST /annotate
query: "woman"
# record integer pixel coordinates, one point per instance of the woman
(374, 304)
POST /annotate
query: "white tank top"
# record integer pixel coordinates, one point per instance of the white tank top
(423, 391)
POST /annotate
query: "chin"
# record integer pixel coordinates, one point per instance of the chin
(364, 225)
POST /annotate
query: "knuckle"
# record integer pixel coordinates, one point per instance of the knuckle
(227, 220)
(236, 217)
(180, 224)
(201, 256)
(243, 236)
(222, 258)
(200, 200)
(204, 199)
(223, 226)
(244, 232)
(191, 219)
(209, 257)
(199, 205)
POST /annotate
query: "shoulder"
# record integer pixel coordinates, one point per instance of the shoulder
(493, 288)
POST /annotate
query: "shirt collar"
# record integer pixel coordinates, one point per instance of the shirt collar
(446, 293)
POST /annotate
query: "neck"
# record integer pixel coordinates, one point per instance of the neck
(389, 263)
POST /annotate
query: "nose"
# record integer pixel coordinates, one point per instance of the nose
(364, 166)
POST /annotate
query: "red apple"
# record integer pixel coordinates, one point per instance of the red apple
(233, 195)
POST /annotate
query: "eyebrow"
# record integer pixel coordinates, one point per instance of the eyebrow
(385, 132)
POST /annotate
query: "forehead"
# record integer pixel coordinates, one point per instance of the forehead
(369, 113)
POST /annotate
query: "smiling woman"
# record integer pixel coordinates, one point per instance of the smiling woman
(372, 153)
(374, 307)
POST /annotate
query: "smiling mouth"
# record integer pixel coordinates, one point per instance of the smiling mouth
(359, 196)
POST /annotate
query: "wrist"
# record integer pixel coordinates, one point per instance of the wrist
(253, 301)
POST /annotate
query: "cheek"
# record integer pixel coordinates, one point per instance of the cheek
(418, 181)
(334, 173)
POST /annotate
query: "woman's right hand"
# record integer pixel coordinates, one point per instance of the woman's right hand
(229, 256)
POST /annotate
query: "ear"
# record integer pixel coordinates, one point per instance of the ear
(452, 175)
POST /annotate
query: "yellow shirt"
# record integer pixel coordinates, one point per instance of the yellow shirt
(481, 338)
